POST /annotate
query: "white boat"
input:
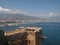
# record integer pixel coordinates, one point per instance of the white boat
(44, 37)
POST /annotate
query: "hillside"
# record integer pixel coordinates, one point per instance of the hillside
(6, 16)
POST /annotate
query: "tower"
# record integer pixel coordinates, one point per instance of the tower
(34, 36)
(24, 36)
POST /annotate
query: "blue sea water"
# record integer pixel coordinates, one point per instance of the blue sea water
(50, 29)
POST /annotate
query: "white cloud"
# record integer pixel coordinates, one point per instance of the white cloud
(51, 14)
(4, 9)
(17, 11)
(48, 15)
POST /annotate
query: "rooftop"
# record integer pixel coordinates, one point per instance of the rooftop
(27, 29)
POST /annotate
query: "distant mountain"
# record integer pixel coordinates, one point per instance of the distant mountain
(54, 17)
(6, 16)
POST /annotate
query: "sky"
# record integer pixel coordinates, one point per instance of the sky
(37, 8)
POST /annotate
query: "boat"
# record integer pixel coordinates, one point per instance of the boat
(44, 37)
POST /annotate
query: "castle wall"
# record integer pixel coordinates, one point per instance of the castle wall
(31, 39)
(39, 38)
(17, 39)
(2, 38)
(21, 37)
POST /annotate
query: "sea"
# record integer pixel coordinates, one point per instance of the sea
(49, 29)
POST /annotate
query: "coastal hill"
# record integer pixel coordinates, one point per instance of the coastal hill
(6, 16)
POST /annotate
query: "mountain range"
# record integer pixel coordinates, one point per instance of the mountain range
(6, 16)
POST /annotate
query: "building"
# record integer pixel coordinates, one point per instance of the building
(24, 36)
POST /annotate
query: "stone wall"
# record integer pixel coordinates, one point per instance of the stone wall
(17, 39)
(2, 38)
(21, 37)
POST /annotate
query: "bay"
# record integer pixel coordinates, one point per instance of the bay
(49, 29)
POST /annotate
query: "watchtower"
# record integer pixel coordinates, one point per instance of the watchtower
(34, 35)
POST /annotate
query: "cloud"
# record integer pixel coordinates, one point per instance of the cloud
(51, 14)
(11, 11)
(4, 9)
(18, 11)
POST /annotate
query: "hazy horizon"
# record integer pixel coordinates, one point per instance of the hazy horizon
(46, 9)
